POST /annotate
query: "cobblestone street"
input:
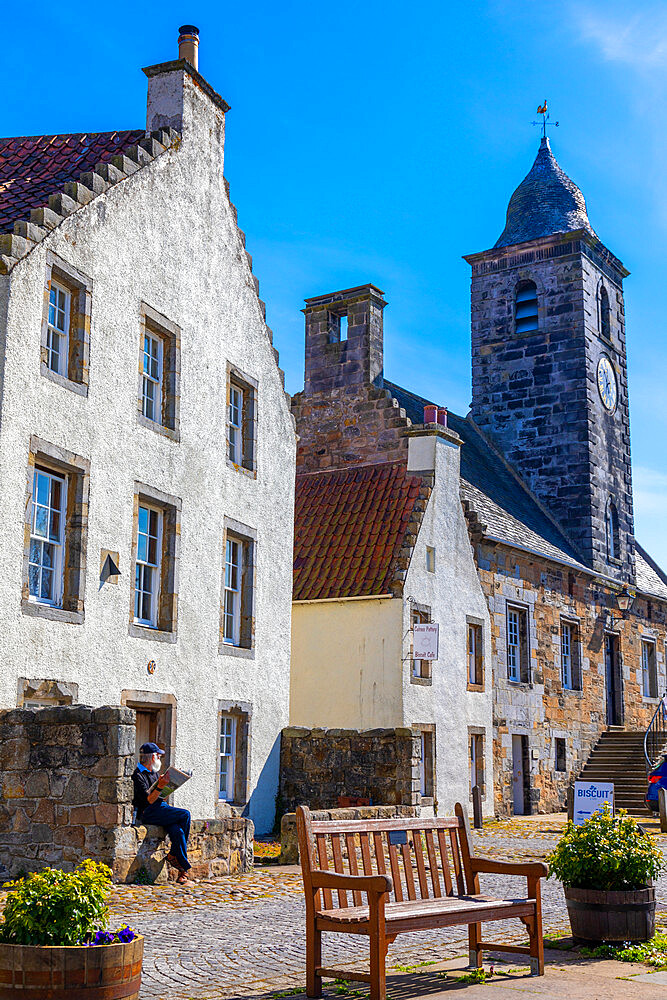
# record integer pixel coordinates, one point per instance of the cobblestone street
(244, 935)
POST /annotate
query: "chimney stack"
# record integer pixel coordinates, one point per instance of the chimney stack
(188, 44)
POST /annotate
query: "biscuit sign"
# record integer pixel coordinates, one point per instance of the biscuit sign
(590, 797)
(425, 641)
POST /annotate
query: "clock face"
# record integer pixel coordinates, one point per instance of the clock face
(607, 384)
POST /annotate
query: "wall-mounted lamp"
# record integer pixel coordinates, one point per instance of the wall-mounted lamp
(624, 600)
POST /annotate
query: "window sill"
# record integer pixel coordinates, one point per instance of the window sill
(576, 691)
(421, 681)
(80, 388)
(521, 684)
(35, 610)
(250, 473)
(614, 562)
(478, 687)
(650, 699)
(227, 649)
(426, 800)
(154, 634)
(169, 432)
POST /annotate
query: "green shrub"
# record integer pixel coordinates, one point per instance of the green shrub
(56, 907)
(606, 852)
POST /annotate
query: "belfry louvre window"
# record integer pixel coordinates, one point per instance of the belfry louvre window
(57, 330)
(613, 539)
(148, 567)
(604, 313)
(47, 538)
(517, 644)
(649, 669)
(525, 307)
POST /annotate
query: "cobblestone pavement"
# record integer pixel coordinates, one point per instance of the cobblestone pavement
(244, 935)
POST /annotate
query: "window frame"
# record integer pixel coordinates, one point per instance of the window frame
(560, 743)
(420, 614)
(59, 543)
(246, 538)
(522, 645)
(245, 431)
(575, 659)
(232, 719)
(475, 655)
(649, 671)
(165, 628)
(157, 381)
(426, 762)
(155, 567)
(64, 334)
(476, 758)
(430, 558)
(241, 713)
(74, 353)
(521, 322)
(75, 471)
(167, 334)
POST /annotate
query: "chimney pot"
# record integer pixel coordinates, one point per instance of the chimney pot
(442, 415)
(188, 44)
(430, 414)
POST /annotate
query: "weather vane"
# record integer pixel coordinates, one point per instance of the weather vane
(543, 110)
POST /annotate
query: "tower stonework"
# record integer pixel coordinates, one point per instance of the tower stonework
(547, 310)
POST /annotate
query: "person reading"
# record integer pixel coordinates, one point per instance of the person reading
(152, 809)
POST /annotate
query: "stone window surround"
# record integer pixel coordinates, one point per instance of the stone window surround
(77, 470)
(479, 731)
(170, 335)
(80, 287)
(576, 651)
(428, 727)
(560, 770)
(473, 620)
(243, 712)
(47, 690)
(248, 536)
(522, 681)
(162, 702)
(423, 680)
(169, 569)
(249, 386)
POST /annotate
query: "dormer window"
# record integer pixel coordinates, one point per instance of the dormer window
(604, 315)
(525, 307)
(613, 540)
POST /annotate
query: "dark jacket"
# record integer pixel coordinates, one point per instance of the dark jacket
(142, 781)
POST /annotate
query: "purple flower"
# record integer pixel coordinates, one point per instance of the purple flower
(125, 934)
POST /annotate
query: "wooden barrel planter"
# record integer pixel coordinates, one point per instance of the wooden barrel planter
(599, 915)
(78, 972)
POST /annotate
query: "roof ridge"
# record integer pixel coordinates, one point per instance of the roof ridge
(73, 195)
(356, 468)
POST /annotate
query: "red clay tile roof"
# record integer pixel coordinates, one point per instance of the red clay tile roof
(349, 528)
(34, 166)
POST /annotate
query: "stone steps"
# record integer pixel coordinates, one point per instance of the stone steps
(618, 756)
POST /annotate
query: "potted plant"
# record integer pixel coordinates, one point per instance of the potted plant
(53, 942)
(607, 865)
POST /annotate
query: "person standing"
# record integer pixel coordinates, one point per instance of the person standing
(154, 810)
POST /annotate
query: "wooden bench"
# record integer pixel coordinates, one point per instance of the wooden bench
(416, 874)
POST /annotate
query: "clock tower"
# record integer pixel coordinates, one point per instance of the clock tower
(549, 378)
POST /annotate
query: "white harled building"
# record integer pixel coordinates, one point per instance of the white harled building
(147, 451)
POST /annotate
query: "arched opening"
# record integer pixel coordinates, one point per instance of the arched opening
(613, 539)
(525, 307)
(604, 313)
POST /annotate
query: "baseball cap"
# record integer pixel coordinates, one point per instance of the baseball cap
(150, 748)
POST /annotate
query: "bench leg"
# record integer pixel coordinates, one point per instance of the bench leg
(536, 935)
(313, 960)
(378, 952)
(474, 950)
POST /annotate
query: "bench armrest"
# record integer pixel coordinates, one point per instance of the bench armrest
(529, 869)
(359, 883)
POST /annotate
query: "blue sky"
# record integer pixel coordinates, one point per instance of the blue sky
(379, 142)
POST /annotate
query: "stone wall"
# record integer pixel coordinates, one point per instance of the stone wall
(65, 774)
(289, 843)
(542, 709)
(319, 765)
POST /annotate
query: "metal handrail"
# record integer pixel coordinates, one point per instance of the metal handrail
(655, 737)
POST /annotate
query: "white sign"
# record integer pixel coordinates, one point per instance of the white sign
(590, 797)
(425, 641)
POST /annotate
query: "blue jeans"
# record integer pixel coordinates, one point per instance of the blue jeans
(177, 824)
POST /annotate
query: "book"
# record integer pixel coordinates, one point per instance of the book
(175, 778)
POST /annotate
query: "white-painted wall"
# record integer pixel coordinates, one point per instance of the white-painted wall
(454, 594)
(165, 236)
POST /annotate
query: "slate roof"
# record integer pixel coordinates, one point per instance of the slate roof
(32, 167)
(350, 525)
(650, 578)
(545, 202)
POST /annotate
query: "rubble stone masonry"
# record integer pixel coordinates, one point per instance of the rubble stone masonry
(542, 709)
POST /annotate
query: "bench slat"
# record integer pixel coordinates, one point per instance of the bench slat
(338, 866)
(433, 863)
(395, 872)
(323, 860)
(456, 861)
(409, 877)
(398, 823)
(446, 874)
(379, 853)
(352, 863)
(421, 868)
(366, 854)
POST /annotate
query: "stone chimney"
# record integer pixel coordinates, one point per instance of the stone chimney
(333, 360)
(180, 98)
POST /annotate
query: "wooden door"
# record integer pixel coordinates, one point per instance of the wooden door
(517, 776)
(146, 727)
